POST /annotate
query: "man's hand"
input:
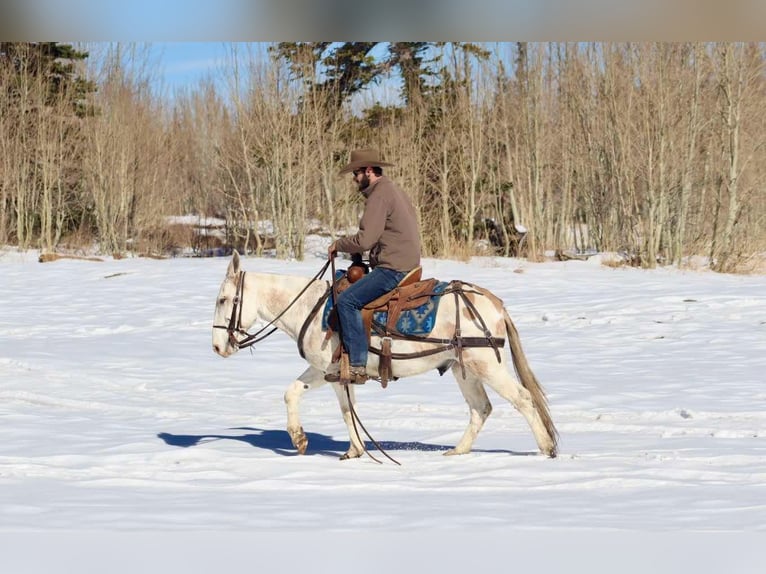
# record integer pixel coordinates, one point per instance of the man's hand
(332, 251)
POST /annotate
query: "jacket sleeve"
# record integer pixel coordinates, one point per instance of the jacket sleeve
(371, 226)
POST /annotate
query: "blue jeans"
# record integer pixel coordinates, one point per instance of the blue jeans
(349, 305)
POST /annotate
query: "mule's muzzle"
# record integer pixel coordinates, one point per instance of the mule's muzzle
(225, 351)
(232, 344)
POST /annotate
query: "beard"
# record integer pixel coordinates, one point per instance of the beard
(364, 183)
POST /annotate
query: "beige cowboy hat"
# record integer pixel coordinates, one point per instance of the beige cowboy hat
(363, 158)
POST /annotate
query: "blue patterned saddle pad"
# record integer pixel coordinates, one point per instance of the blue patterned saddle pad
(418, 321)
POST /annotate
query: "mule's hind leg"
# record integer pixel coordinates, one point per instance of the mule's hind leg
(511, 390)
(311, 378)
(478, 404)
(355, 448)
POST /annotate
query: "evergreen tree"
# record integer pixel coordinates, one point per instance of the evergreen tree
(55, 64)
(335, 70)
(341, 69)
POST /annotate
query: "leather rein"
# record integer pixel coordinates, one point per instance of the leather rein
(234, 326)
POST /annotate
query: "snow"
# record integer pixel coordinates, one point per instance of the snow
(127, 445)
(196, 220)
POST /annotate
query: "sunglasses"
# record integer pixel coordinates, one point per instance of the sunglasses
(356, 172)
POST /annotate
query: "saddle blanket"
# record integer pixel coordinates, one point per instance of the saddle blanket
(418, 321)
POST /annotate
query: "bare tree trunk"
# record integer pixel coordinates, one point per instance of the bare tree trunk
(736, 79)
(692, 130)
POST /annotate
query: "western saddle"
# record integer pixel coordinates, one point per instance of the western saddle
(410, 293)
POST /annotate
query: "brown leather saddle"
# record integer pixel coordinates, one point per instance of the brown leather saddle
(410, 293)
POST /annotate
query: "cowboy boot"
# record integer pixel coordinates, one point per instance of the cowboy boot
(358, 375)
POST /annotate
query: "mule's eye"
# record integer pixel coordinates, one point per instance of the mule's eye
(222, 300)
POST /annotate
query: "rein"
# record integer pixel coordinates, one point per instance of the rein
(235, 320)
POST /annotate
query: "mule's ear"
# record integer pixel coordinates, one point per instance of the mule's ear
(233, 269)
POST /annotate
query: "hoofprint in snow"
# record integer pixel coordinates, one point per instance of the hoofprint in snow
(117, 415)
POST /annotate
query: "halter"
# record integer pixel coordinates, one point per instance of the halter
(235, 320)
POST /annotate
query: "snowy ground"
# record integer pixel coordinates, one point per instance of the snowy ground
(118, 421)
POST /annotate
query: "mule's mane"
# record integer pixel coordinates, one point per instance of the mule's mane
(288, 283)
(275, 292)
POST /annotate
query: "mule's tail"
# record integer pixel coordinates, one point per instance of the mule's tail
(529, 382)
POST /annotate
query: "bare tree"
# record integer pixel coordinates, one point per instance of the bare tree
(740, 78)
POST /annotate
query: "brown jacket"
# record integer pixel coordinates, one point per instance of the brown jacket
(389, 228)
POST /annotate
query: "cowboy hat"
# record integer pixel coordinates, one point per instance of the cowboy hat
(363, 158)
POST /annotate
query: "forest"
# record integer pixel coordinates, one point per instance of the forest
(654, 150)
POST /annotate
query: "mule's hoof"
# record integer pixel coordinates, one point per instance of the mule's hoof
(349, 455)
(549, 450)
(454, 451)
(299, 440)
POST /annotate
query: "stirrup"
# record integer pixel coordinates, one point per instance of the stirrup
(357, 376)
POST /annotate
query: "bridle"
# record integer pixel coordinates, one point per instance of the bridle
(234, 327)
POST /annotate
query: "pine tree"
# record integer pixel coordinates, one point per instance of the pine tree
(51, 62)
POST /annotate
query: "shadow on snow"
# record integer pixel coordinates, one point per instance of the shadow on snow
(278, 441)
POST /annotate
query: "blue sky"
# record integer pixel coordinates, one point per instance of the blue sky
(186, 63)
(183, 64)
(173, 66)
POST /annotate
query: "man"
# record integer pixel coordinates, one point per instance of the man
(389, 230)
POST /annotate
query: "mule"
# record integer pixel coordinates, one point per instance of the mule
(290, 304)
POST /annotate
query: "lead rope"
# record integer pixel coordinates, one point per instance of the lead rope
(355, 417)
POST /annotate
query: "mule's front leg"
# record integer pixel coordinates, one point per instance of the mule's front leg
(355, 449)
(309, 379)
